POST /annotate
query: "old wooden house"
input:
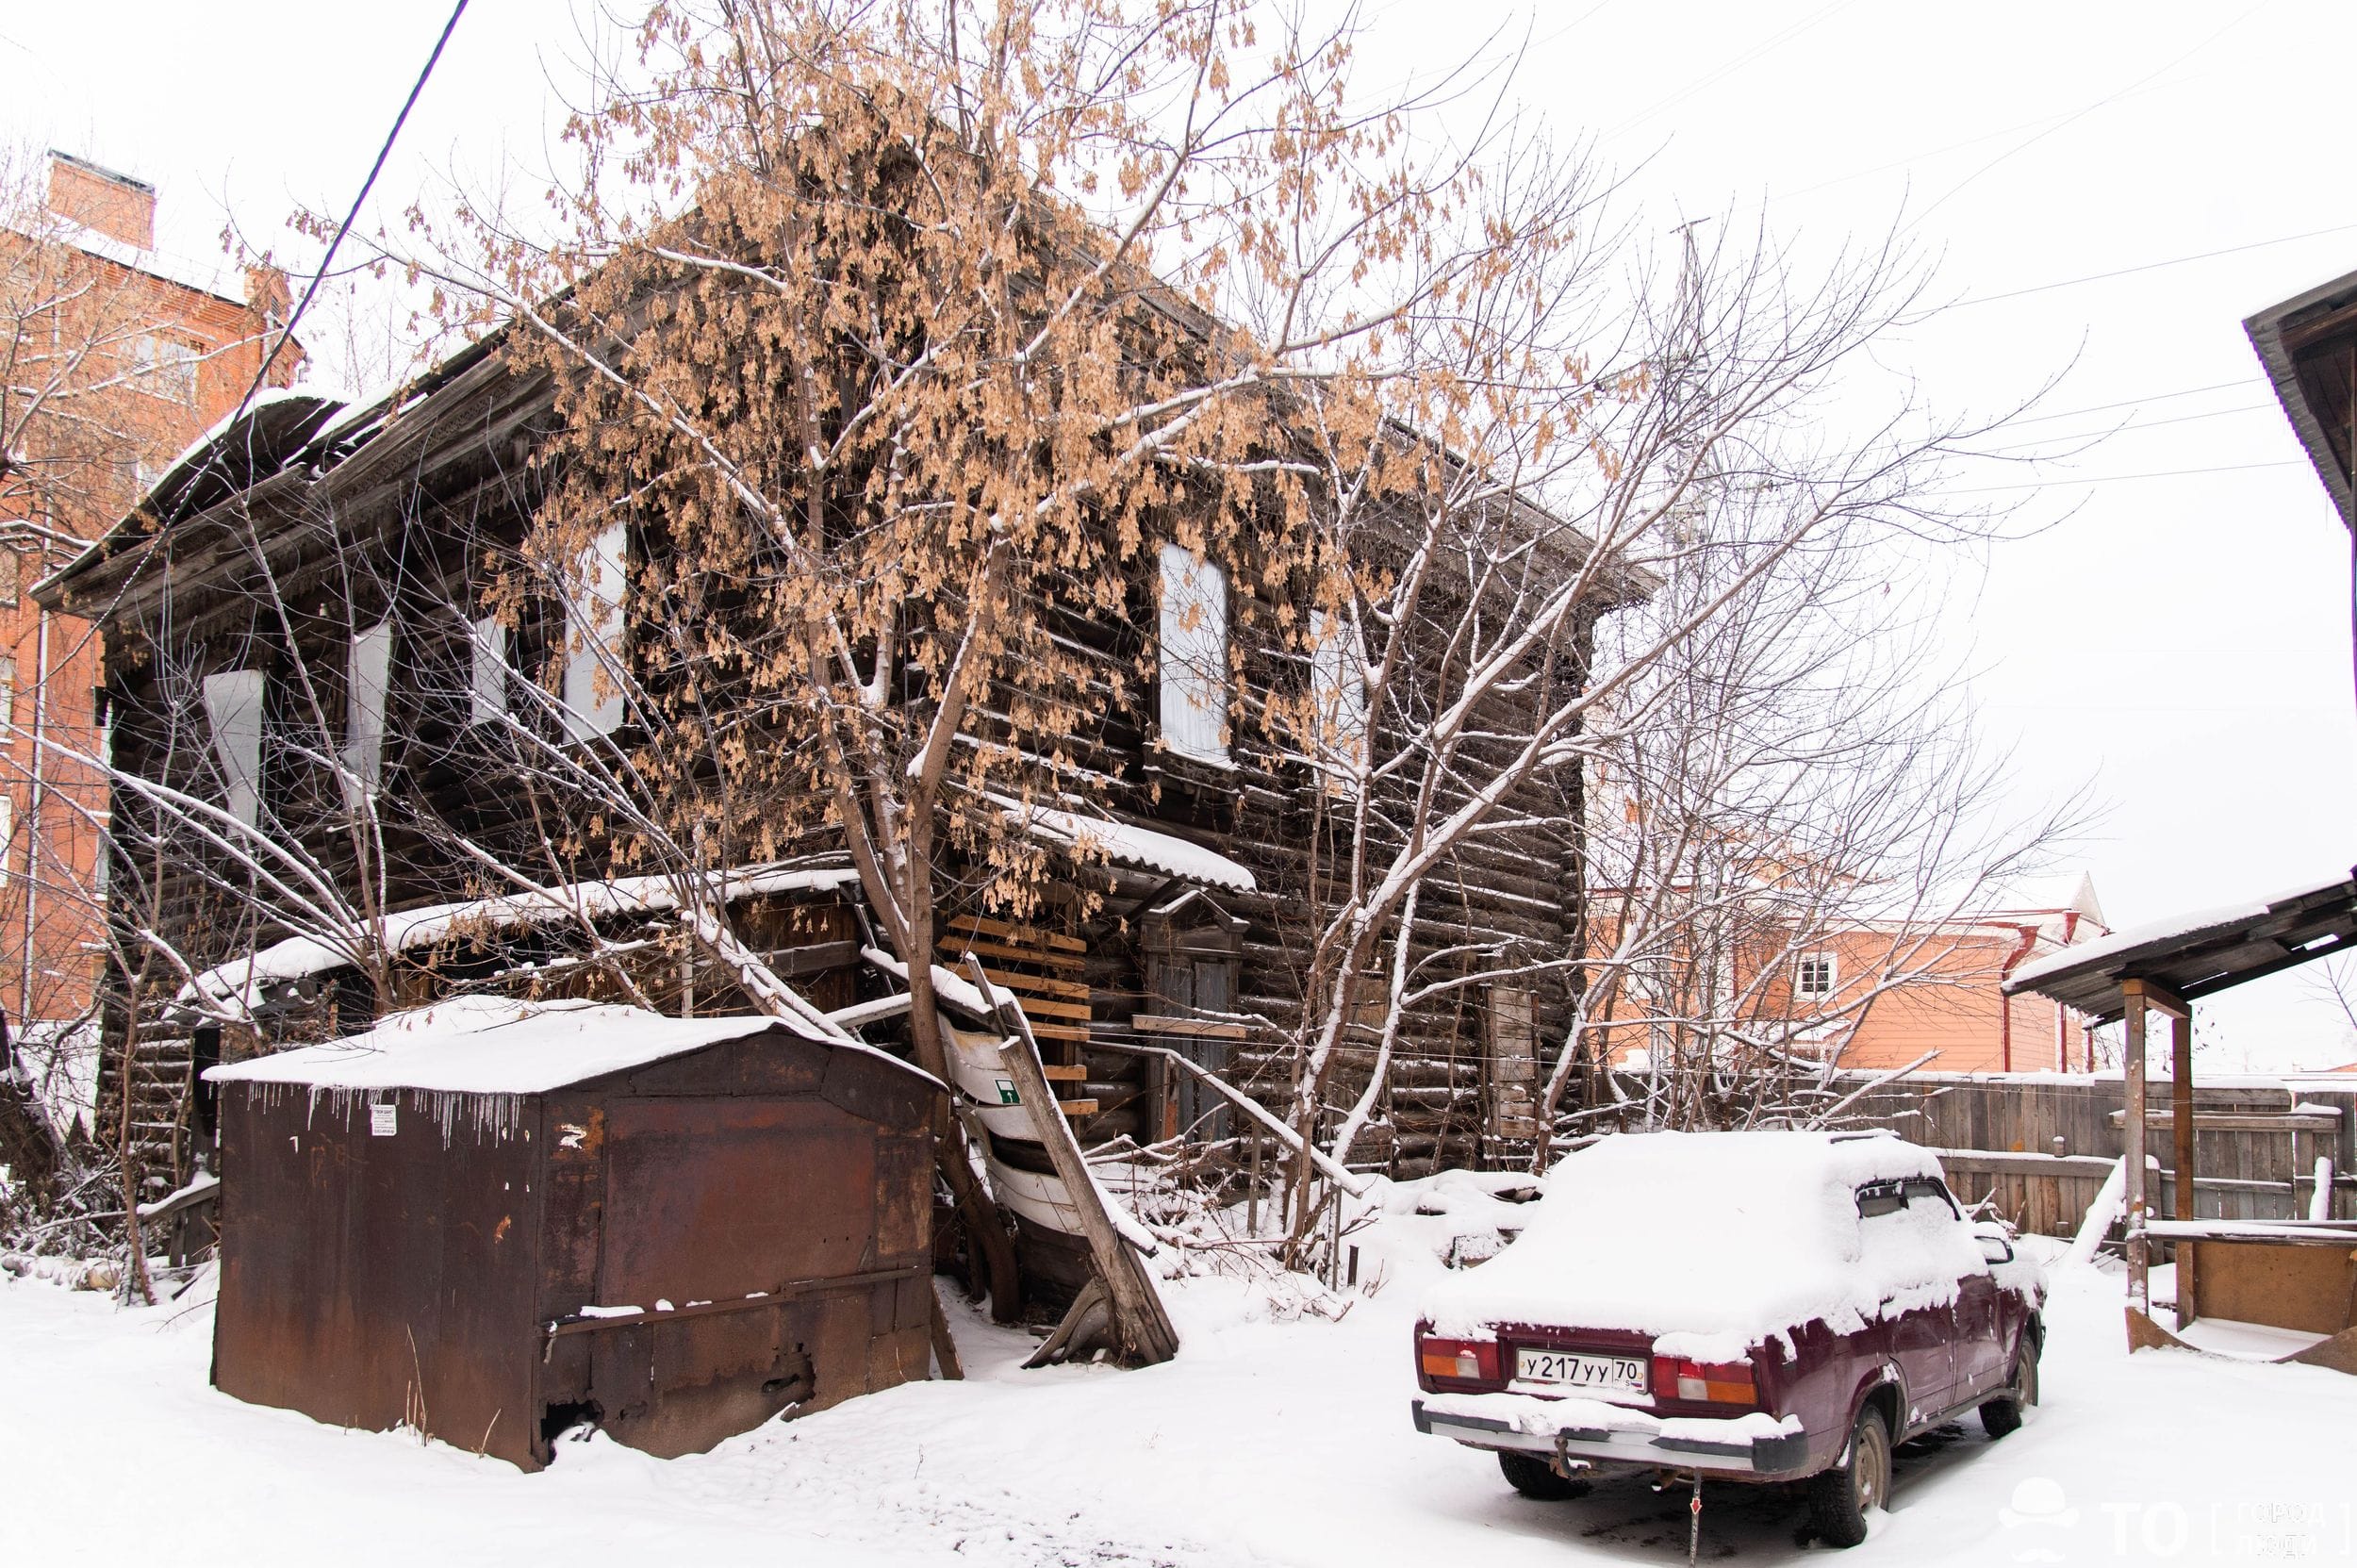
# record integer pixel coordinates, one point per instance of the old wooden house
(374, 528)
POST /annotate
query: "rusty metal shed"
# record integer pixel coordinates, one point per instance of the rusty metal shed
(493, 1221)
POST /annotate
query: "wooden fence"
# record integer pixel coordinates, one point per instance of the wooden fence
(2038, 1145)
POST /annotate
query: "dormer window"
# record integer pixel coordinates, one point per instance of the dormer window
(1193, 654)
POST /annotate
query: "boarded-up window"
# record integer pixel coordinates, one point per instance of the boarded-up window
(1194, 654)
(369, 681)
(1513, 1063)
(232, 709)
(488, 691)
(1338, 693)
(594, 639)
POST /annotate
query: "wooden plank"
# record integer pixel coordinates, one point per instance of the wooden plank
(1036, 1007)
(1077, 1107)
(975, 925)
(1059, 1073)
(1059, 1032)
(2236, 1121)
(961, 946)
(1154, 1023)
(1038, 985)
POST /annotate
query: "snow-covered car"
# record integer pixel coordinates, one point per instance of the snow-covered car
(1747, 1306)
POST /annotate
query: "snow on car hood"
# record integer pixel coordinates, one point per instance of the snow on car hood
(1715, 1243)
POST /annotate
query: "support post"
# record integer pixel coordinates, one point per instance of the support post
(2132, 1151)
(2181, 1104)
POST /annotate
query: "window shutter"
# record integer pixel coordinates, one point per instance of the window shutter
(487, 692)
(1194, 648)
(233, 708)
(596, 587)
(368, 677)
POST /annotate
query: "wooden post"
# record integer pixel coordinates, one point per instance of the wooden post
(2181, 1103)
(2132, 1149)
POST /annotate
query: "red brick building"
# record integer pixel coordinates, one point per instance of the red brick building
(125, 355)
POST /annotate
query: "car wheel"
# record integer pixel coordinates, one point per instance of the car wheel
(1841, 1498)
(2003, 1414)
(1535, 1477)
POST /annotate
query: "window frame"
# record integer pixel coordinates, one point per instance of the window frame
(1191, 709)
(1800, 974)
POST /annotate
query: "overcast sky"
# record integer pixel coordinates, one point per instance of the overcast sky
(2178, 634)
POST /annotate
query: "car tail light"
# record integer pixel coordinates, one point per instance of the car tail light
(1458, 1361)
(1704, 1382)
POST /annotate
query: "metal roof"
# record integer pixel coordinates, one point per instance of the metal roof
(2266, 329)
(2197, 954)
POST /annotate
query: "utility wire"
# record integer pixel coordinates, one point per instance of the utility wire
(352, 217)
(2150, 266)
(2126, 426)
(2129, 403)
(2124, 478)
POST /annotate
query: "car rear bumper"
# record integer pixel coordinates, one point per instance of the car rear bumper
(1732, 1449)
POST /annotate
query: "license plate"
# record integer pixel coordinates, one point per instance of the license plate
(1569, 1369)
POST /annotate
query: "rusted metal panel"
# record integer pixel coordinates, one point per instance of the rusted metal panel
(373, 1279)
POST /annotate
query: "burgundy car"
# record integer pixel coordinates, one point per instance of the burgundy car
(1741, 1306)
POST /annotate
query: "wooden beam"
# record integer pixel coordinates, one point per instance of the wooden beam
(959, 946)
(2132, 1153)
(2158, 997)
(1154, 1023)
(2287, 1122)
(2181, 1108)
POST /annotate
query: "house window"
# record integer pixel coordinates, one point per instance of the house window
(369, 680)
(165, 365)
(233, 708)
(8, 834)
(8, 699)
(11, 576)
(1338, 693)
(1815, 976)
(1193, 655)
(594, 638)
(488, 691)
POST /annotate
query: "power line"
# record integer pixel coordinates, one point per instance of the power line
(2150, 266)
(2124, 478)
(350, 217)
(2140, 424)
(2130, 402)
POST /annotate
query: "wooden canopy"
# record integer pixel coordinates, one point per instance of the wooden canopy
(2201, 953)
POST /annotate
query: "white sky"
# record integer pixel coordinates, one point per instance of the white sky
(2182, 641)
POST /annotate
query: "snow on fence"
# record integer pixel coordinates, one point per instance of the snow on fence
(2039, 1145)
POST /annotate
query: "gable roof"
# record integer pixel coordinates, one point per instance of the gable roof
(2281, 333)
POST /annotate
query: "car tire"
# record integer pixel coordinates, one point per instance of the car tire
(1841, 1498)
(1535, 1477)
(2003, 1414)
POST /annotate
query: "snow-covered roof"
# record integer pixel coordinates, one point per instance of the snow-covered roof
(2180, 928)
(217, 278)
(1126, 844)
(499, 1045)
(1716, 1242)
(239, 983)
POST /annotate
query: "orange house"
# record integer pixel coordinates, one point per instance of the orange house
(1837, 995)
(138, 353)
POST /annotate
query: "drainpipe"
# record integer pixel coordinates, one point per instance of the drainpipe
(32, 821)
(2005, 1002)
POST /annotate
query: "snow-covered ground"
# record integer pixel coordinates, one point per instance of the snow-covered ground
(1274, 1437)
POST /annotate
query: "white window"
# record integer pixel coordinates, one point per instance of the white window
(8, 699)
(8, 835)
(593, 644)
(487, 694)
(368, 679)
(165, 365)
(1193, 655)
(1816, 976)
(1338, 692)
(233, 706)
